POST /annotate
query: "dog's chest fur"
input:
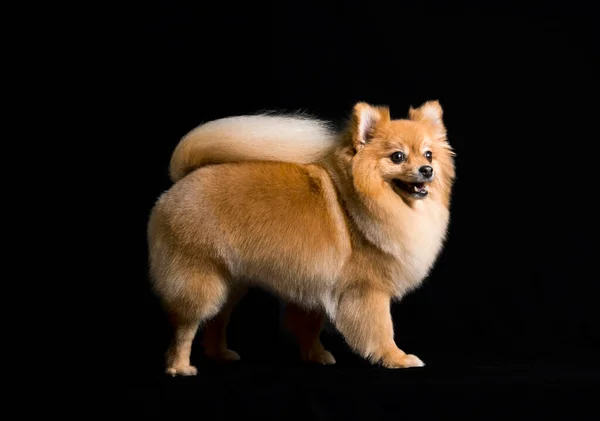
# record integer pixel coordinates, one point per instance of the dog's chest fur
(409, 240)
(421, 241)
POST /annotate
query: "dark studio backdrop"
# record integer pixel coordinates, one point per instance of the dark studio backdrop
(507, 320)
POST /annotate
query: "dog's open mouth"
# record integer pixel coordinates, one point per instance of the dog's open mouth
(417, 190)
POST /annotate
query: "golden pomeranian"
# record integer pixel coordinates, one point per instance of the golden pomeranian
(336, 224)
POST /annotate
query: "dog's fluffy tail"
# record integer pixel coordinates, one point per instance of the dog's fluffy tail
(285, 138)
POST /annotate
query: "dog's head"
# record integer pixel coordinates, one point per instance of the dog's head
(409, 156)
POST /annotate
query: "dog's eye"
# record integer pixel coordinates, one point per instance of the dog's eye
(397, 157)
(428, 155)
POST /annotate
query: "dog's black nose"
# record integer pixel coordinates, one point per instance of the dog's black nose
(426, 170)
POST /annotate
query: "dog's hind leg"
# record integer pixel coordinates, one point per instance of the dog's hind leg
(215, 330)
(189, 304)
(178, 355)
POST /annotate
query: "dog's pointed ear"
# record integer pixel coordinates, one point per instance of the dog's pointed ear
(430, 113)
(365, 118)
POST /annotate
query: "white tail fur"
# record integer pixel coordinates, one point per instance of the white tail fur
(263, 137)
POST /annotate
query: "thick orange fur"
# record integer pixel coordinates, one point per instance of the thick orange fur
(334, 238)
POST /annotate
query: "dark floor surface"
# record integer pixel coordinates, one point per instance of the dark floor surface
(516, 382)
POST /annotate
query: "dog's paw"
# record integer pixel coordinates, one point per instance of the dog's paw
(188, 370)
(225, 355)
(403, 361)
(321, 357)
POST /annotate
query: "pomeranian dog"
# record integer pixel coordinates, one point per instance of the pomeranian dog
(336, 224)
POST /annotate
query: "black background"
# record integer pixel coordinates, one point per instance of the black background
(507, 321)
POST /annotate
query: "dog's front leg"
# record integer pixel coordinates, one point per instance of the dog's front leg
(363, 317)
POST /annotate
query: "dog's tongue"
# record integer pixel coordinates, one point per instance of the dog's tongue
(420, 187)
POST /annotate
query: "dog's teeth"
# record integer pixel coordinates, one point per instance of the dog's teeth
(416, 188)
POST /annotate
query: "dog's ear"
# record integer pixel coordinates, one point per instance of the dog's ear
(365, 118)
(430, 113)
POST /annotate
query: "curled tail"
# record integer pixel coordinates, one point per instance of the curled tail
(263, 137)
